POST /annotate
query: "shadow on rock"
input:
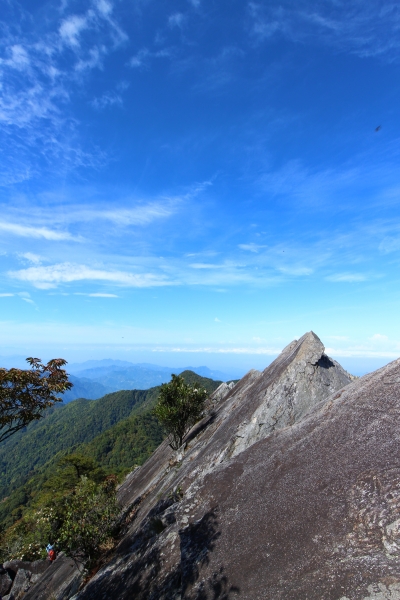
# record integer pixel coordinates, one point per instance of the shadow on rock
(198, 540)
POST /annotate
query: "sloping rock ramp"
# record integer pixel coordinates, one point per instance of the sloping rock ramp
(308, 509)
(58, 582)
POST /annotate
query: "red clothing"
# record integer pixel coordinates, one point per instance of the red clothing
(52, 555)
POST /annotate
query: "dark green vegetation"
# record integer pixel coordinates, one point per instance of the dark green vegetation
(76, 509)
(180, 405)
(118, 430)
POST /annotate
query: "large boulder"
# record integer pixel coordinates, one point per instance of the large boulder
(35, 568)
(21, 584)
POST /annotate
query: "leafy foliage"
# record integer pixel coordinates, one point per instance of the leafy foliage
(89, 517)
(79, 516)
(179, 406)
(25, 394)
(117, 431)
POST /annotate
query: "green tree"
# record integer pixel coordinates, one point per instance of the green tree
(89, 516)
(79, 521)
(67, 475)
(180, 405)
(24, 394)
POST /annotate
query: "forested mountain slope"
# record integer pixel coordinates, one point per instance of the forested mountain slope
(117, 430)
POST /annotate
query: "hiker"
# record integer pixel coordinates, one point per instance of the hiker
(51, 553)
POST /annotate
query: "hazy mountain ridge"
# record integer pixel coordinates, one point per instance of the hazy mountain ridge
(93, 379)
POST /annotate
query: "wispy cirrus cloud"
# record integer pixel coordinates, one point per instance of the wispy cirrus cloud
(96, 295)
(363, 28)
(252, 247)
(72, 27)
(107, 100)
(25, 296)
(30, 257)
(35, 232)
(176, 19)
(269, 351)
(38, 80)
(42, 223)
(347, 277)
(64, 273)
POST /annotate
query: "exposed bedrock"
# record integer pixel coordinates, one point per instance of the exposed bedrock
(289, 489)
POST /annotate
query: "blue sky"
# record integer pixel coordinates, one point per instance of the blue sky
(199, 182)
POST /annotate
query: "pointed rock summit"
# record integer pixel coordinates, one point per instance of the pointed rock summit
(286, 391)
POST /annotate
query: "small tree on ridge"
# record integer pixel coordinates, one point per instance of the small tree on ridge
(179, 407)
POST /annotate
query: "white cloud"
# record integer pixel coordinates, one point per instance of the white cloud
(51, 276)
(107, 100)
(176, 20)
(97, 295)
(139, 215)
(35, 232)
(252, 247)
(139, 59)
(206, 266)
(71, 29)
(104, 7)
(215, 350)
(217, 320)
(31, 257)
(100, 295)
(389, 244)
(347, 277)
(296, 271)
(360, 27)
(361, 352)
(38, 102)
(25, 296)
(378, 337)
(19, 58)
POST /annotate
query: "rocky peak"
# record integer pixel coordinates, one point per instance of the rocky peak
(289, 488)
(297, 380)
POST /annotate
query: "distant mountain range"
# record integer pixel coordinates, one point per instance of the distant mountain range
(95, 378)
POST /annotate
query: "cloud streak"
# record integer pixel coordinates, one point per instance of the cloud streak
(35, 232)
(363, 28)
(66, 273)
(38, 80)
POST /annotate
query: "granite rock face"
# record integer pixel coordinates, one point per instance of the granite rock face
(42, 580)
(288, 489)
(251, 505)
(285, 395)
(59, 582)
(21, 584)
